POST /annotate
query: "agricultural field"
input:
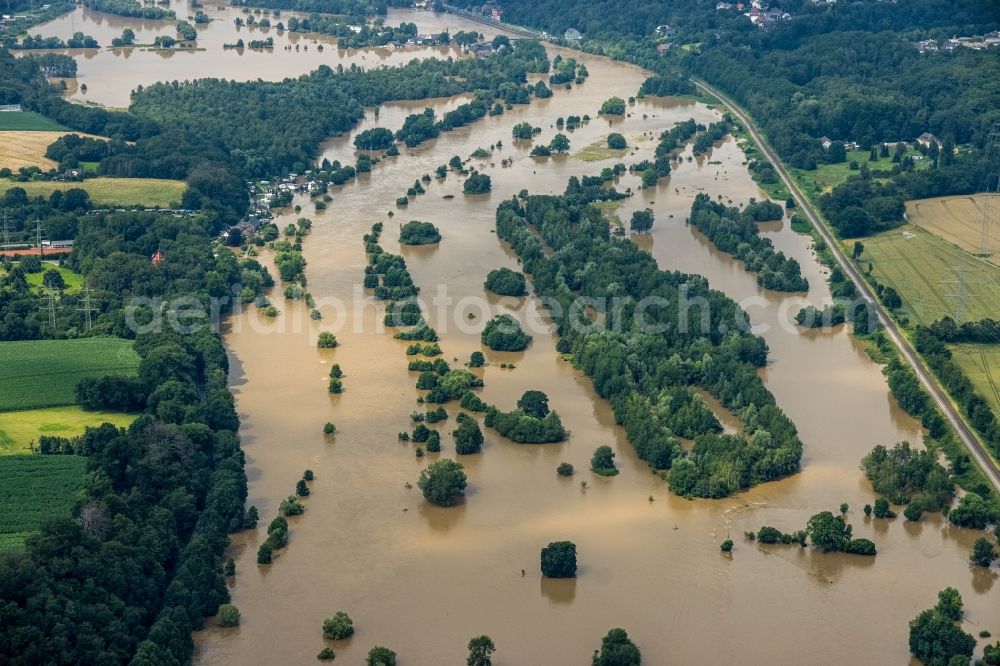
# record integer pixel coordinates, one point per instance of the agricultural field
(44, 373)
(959, 220)
(34, 488)
(152, 192)
(981, 364)
(18, 430)
(26, 149)
(929, 274)
(28, 121)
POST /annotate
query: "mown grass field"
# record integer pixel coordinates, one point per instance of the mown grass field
(74, 281)
(828, 176)
(28, 121)
(34, 488)
(981, 364)
(19, 429)
(111, 191)
(928, 272)
(959, 220)
(44, 373)
(598, 151)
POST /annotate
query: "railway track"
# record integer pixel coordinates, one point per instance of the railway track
(941, 399)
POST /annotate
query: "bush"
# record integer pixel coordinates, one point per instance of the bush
(434, 442)
(565, 469)
(416, 232)
(558, 559)
(477, 360)
(264, 553)
(767, 534)
(972, 511)
(335, 386)
(329, 428)
(301, 489)
(326, 340)
(250, 518)
(860, 547)
(442, 482)
(503, 333)
(291, 507)
(617, 650)
(617, 142)
(613, 107)
(338, 627)
(505, 282)
(376, 138)
(603, 461)
(882, 510)
(983, 553)
(468, 436)
(380, 656)
(326, 654)
(477, 183)
(229, 616)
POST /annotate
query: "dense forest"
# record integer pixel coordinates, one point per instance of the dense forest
(130, 8)
(848, 71)
(647, 362)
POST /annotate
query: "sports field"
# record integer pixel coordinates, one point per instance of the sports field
(19, 429)
(28, 121)
(111, 191)
(933, 277)
(981, 364)
(44, 373)
(34, 488)
(959, 220)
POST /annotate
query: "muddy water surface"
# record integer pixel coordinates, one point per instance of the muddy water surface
(422, 579)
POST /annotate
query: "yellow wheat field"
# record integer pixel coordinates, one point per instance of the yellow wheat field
(23, 149)
(959, 220)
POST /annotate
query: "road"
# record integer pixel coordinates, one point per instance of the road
(964, 431)
(502, 27)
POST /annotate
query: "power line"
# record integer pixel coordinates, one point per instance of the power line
(87, 308)
(989, 184)
(50, 307)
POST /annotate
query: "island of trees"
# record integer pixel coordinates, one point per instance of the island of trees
(734, 231)
(505, 282)
(416, 232)
(655, 367)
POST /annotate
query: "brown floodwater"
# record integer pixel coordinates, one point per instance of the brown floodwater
(111, 74)
(423, 579)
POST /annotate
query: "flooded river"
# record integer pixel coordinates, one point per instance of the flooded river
(422, 579)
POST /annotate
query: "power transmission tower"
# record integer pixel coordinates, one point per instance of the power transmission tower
(87, 308)
(50, 307)
(40, 235)
(989, 185)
